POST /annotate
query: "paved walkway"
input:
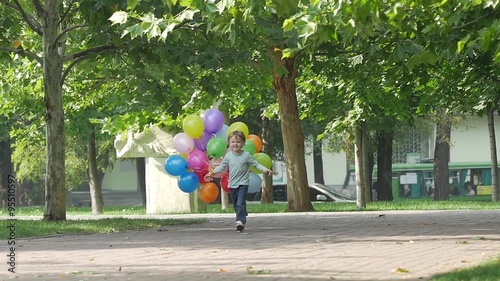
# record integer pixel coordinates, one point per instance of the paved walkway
(291, 246)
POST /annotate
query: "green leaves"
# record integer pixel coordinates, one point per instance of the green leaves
(119, 17)
(461, 43)
(131, 4)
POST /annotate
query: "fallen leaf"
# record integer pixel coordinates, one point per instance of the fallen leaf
(479, 238)
(250, 270)
(120, 268)
(85, 272)
(221, 270)
(462, 242)
(401, 270)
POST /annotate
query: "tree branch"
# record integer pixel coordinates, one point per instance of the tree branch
(22, 52)
(90, 51)
(32, 23)
(80, 56)
(473, 21)
(67, 70)
(39, 8)
(66, 12)
(64, 32)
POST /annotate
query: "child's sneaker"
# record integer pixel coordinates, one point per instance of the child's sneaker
(240, 226)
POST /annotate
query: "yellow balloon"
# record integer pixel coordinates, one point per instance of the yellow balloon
(193, 126)
(238, 126)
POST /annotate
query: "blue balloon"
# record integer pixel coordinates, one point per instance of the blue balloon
(255, 183)
(222, 133)
(188, 182)
(176, 165)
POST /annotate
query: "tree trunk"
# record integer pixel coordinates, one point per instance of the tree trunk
(360, 198)
(55, 189)
(140, 165)
(318, 161)
(442, 159)
(384, 165)
(6, 170)
(293, 138)
(267, 186)
(94, 180)
(493, 153)
(367, 177)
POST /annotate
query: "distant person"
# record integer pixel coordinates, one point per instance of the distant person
(239, 162)
(407, 191)
(430, 192)
(469, 189)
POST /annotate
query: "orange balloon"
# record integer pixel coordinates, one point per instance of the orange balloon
(208, 192)
(256, 141)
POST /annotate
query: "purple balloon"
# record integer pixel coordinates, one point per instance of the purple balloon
(198, 160)
(213, 120)
(201, 142)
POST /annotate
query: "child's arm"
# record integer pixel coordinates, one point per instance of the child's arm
(259, 166)
(217, 169)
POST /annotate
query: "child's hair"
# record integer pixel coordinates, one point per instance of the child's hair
(237, 134)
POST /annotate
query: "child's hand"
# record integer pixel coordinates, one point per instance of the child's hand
(208, 177)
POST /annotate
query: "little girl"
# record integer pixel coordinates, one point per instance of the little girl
(239, 162)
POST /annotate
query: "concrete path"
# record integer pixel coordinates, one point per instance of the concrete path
(290, 246)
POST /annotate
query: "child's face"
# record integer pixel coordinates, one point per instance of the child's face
(236, 144)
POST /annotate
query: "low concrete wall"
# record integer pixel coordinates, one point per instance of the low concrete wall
(163, 195)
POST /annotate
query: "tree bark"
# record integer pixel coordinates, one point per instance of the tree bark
(318, 161)
(358, 164)
(442, 159)
(293, 138)
(267, 186)
(55, 189)
(493, 153)
(94, 179)
(384, 165)
(367, 176)
(140, 165)
(6, 170)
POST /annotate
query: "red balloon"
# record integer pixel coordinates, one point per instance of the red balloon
(201, 175)
(224, 182)
(208, 192)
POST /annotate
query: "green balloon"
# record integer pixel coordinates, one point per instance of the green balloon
(216, 147)
(262, 159)
(249, 147)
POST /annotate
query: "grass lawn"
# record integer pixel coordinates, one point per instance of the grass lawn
(39, 228)
(488, 271)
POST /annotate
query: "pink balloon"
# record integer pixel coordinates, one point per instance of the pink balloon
(198, 160)
(183, 143)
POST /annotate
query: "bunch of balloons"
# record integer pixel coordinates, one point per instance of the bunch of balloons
(201, 147)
